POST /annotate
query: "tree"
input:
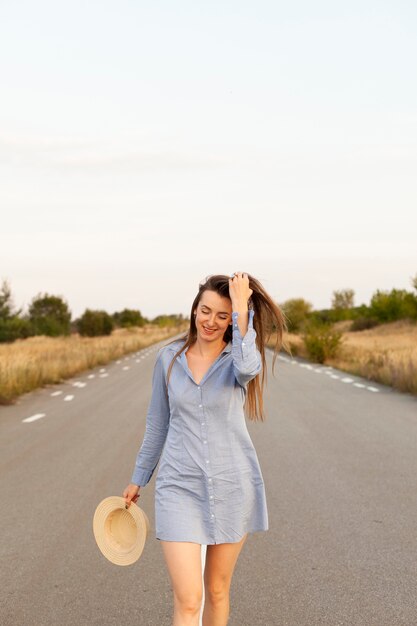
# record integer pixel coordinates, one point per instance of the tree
(129, 317)
(6, 302)
(49, 315)
(296, 311)
(167, 320)
(343, 299)
(12, 326)
(388, 306)
(95, 323)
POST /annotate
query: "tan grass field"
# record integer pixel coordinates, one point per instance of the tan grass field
(27, 364)
(385, 354)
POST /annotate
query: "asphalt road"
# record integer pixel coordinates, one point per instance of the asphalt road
(338, 455)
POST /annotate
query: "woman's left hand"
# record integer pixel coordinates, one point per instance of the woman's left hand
(239, 290)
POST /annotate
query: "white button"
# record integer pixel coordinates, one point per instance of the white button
(209, 480)
(212, 515)
(198, 387)
(200, 405)
(205, 441)
(211, 497)
(243, 343)
(202, 423)
(207, 461)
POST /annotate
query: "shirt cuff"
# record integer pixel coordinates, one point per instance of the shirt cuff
(235, 315)
(141, 477)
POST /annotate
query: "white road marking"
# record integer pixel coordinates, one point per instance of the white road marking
(33, 418)
(103, 375)
(92, 376)
(118, 362)
(56, 393)
(69, 398)
(329, 371)
(80, 384)
(126, 367)
(103, 369)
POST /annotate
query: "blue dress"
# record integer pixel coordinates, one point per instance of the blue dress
(209, 488)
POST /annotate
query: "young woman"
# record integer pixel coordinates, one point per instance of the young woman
(209, 488)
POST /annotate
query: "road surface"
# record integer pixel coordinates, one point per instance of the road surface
(338, 455)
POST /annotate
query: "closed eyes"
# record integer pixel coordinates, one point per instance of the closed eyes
(206, 311)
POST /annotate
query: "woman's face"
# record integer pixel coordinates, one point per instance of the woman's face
(212, 316)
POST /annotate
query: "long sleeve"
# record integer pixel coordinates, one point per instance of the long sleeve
(157, 424)
(247, 360)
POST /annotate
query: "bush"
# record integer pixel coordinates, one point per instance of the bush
(49, 315)
(389, 306)
(95, 323)
(168, 320)
(321, 341)
(128, 318)
(14, 328)
(363, 323)
(296, 311)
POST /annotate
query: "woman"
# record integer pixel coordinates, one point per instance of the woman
(209, 489)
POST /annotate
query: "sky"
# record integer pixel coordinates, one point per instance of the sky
(147, 145)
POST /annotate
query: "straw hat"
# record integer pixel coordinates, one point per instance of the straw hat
(120, 532)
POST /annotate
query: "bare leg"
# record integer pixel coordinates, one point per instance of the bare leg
(220, 563)
(183, 561)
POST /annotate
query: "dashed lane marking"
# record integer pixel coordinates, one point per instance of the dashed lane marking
(330, 372)
(33, 418)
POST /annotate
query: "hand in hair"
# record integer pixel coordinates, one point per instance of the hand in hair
(239, 291)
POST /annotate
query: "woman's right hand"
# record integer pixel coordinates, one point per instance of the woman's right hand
(131, 493)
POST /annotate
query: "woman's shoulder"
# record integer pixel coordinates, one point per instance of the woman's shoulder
(169, 349)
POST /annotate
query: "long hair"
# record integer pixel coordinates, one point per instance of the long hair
(268, 318)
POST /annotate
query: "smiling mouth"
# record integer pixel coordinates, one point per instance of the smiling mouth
(208, 331)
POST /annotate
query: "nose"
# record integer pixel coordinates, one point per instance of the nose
(212, 319)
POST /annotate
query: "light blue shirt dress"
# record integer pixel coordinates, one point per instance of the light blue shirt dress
(209, 488)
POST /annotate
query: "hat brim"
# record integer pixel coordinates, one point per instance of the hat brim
(120, 533)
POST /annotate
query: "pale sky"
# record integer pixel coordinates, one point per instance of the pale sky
(147, 145)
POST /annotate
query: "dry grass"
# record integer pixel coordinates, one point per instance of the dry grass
(30, 363)
(385, 354)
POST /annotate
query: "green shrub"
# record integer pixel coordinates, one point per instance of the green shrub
(49, 315)
(168, 320)
(128, 318)
(389, 306)
(321, 341)
(296, 311)
(14, 328)
(95, 323)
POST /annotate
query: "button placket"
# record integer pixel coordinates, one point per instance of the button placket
(206, 455)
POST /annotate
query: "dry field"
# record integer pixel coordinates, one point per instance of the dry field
(385, 354)
(27, 364)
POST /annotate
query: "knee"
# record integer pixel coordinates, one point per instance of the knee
(189, 603)
(217, 591)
